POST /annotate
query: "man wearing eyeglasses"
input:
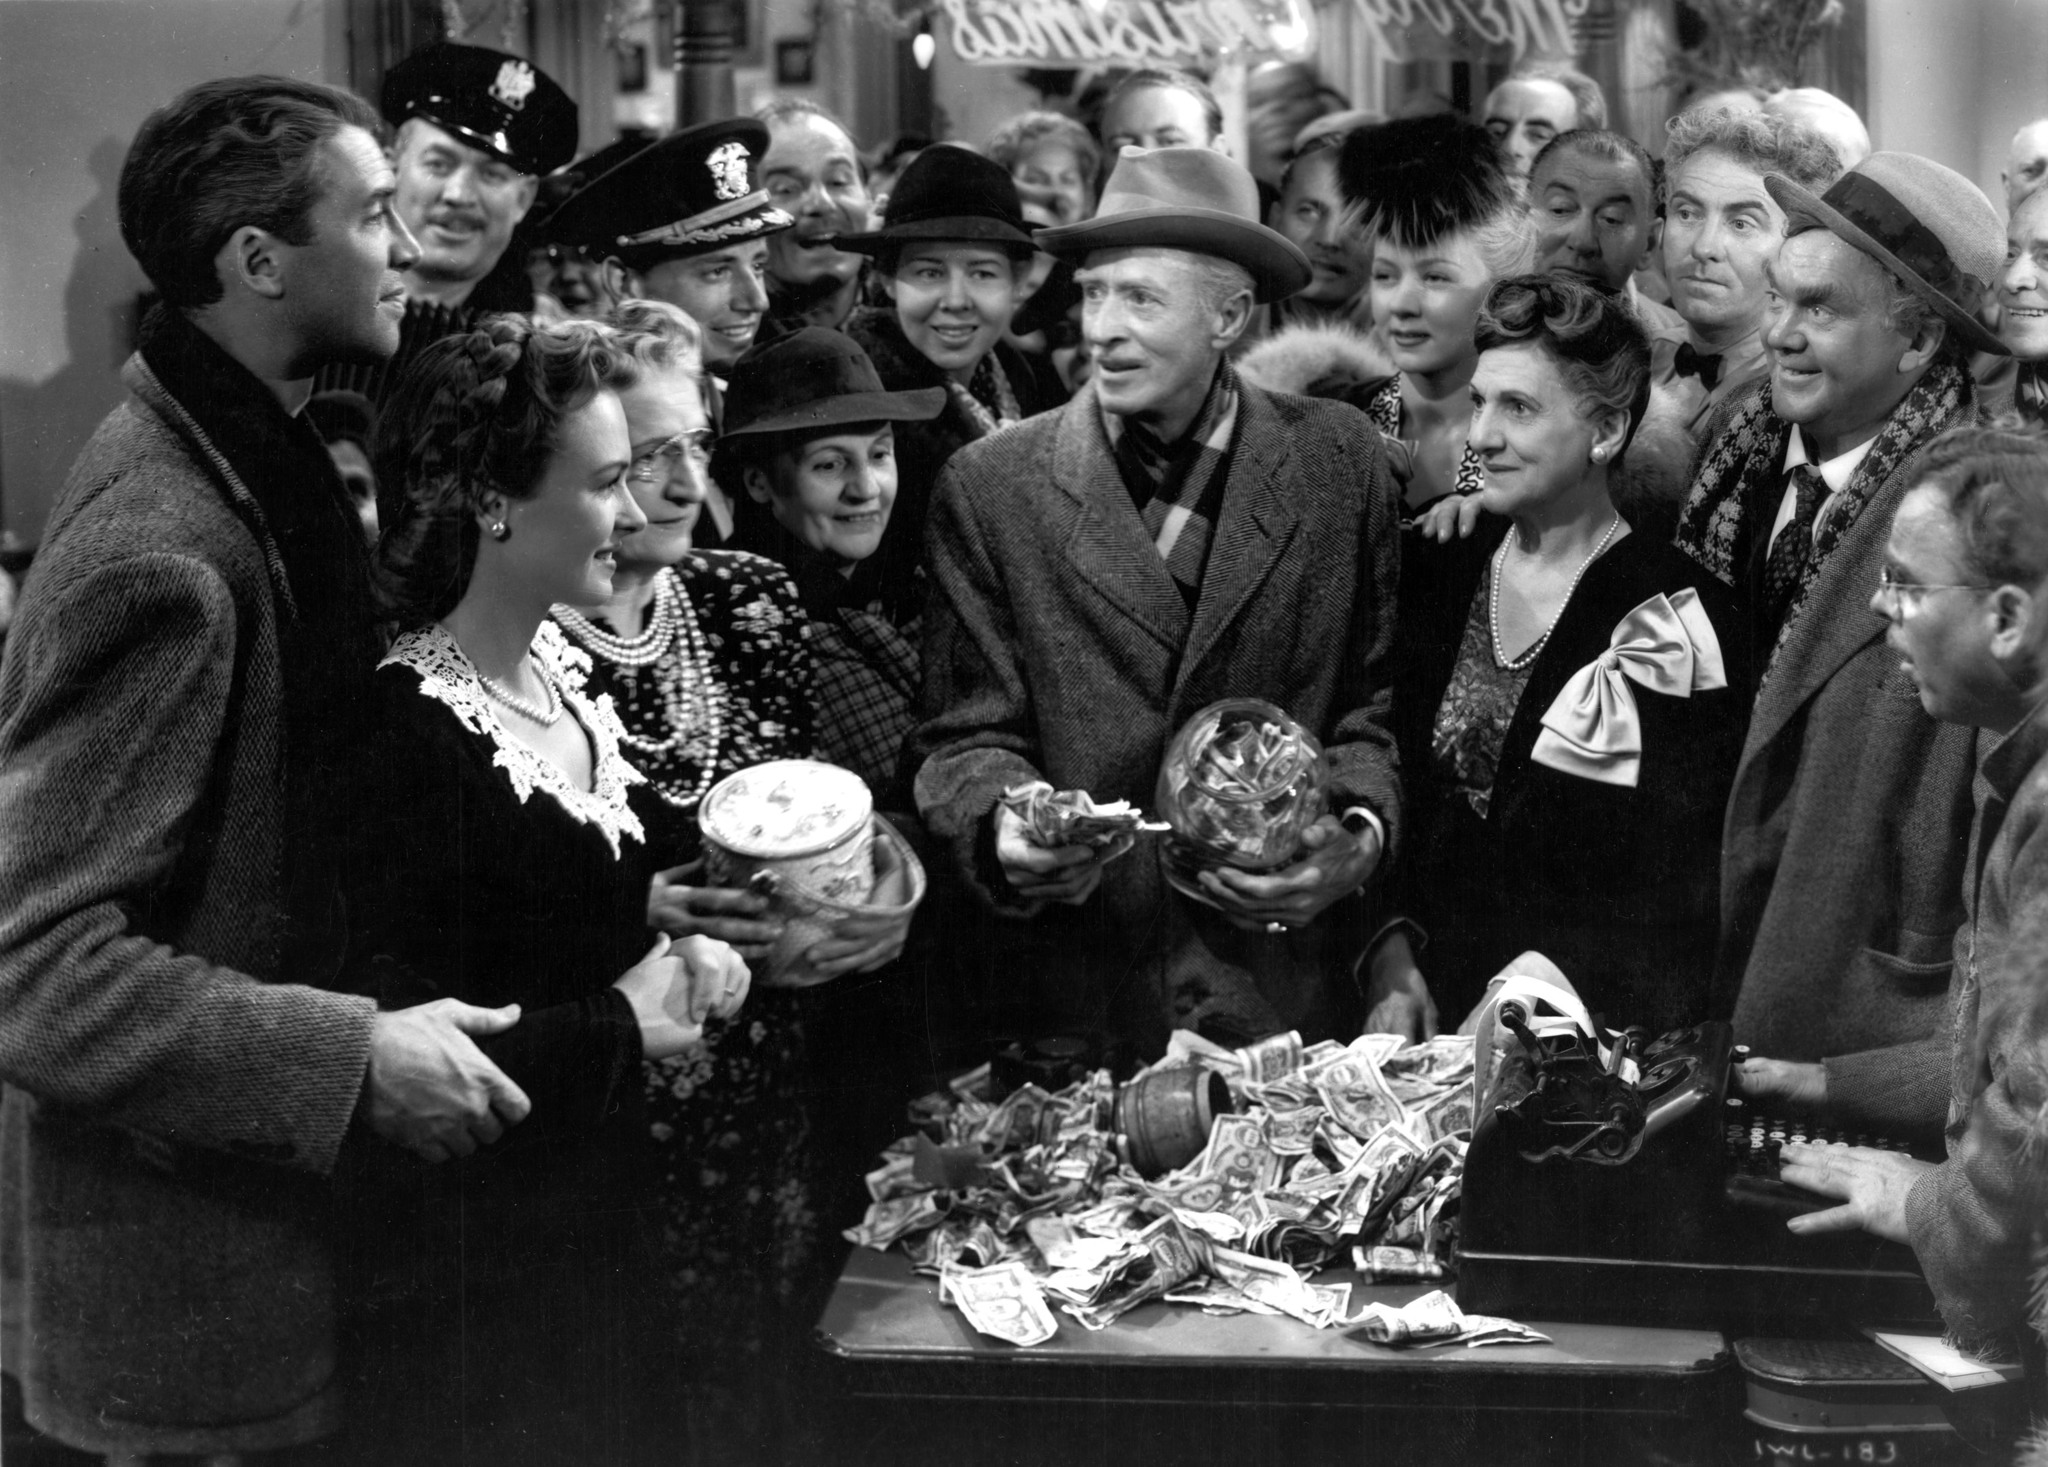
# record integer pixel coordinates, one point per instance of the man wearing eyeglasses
(1847, 824)
(1962, 597)
(685, 222)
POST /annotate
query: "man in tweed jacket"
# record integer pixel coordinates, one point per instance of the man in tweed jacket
(187, 649)
(1171, 537)
(1847, 826)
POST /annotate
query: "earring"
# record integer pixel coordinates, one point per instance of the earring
(498, 530)
(1599, 455)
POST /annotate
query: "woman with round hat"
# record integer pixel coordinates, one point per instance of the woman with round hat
(1445, 223)
(952, 254)
(809, 442)
(702, 653)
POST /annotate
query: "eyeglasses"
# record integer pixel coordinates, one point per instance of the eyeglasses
(658, 464)
(1908, 593)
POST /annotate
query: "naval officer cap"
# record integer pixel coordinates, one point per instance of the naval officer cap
(692, 192)
(491, 100)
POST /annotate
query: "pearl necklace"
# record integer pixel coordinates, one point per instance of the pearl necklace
(545, 714)
(640, 651)
(1500, 560)
(690, 696)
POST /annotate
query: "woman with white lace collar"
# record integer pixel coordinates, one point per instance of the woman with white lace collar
(1564, 700)
(494, 856)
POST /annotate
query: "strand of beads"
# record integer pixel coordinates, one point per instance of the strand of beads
(545, 714)
(641, 651)
(1529, 653)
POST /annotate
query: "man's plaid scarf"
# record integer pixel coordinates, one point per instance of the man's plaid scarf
(1178, 487)
(1743, 474)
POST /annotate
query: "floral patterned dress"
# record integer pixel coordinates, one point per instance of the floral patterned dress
(741, 1235)
(1385, 411)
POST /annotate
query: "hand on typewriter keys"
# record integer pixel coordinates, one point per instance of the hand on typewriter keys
(1872, 1183)
(1797, 1086)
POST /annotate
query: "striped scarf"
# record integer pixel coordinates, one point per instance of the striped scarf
(1178, 487)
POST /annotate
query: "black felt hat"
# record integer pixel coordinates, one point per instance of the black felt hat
(814, 379)
(693, 191)
(492, 100)
(948, 192)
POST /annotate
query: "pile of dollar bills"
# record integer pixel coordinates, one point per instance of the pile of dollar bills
(1334, 1153)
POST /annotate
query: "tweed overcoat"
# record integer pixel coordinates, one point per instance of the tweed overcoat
(1972, 1219)
(1845, 842)
(172, 1104)
(1058, 646)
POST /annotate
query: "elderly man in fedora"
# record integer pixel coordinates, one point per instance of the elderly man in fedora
(1171, 537)
(1846, 831)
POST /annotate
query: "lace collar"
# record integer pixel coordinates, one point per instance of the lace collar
(448, 677)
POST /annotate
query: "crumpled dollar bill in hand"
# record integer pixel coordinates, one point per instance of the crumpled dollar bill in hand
(1054, 818)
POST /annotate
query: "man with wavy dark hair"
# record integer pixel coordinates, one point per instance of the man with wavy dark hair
(1721, 227)
(176, 686)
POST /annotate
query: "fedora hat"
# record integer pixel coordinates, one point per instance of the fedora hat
(813, 379)
(1185, 199)
(1927, 224)
(947, 192)
(492, 100)
(693, 191)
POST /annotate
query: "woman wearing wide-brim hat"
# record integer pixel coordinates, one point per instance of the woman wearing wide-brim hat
(807, 451)
(810, 450)
(953, 253)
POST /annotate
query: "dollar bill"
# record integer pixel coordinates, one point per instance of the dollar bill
(1002, 1301)
(1271, 1058)
(1358, 1098)
(1238, 1156)
(893, 1218)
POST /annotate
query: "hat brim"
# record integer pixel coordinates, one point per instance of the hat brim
(1798, 201)
(915, 406)
(964, 228)
(1278, 268)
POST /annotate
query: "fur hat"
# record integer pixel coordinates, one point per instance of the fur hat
(1417, 179)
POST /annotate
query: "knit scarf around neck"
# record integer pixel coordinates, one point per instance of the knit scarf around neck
(1744, 468)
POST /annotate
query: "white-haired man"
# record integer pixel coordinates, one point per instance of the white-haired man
(1169, 538)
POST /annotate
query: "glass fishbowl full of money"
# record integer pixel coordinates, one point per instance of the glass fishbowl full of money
(1240, 783)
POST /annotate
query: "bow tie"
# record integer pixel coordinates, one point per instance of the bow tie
(1704, 365)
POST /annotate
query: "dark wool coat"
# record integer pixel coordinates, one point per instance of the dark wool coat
(174, 1098)
(1844, 846)
(1617, 885)
(1058, 646)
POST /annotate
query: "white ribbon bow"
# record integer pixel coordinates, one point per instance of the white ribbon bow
(1592, 728)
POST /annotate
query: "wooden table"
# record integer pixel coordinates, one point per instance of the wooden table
(1168, 1383)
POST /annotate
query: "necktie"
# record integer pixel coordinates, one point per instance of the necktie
(1790, 552)
(2030, 393)
(1704, 365)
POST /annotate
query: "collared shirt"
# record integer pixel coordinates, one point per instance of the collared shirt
(1835, 473)
(1744, 360)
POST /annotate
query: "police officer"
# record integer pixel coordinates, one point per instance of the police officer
(685, 221)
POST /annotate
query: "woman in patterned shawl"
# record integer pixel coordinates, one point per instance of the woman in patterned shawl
(1445, 222)
(954, 255)
(494, 853)
(1569, 701)
(703, 653)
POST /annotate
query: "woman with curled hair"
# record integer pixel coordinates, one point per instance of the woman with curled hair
(495, 853)
(1564, 701)
(1445, 222)
(704, 656)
